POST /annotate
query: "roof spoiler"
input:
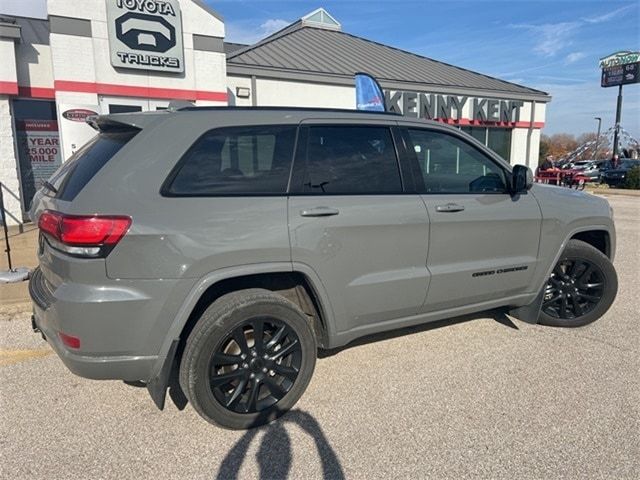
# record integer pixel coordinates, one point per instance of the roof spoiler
(121, 122)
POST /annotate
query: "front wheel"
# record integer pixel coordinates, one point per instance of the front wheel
(581, 288)
(248, 359)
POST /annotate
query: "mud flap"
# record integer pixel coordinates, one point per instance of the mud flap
(529, 313)
(157, 386)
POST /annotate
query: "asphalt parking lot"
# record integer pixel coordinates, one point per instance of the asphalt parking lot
(475, 397)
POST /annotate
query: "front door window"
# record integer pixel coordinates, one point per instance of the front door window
(450, 165)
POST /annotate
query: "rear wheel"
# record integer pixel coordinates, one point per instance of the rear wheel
(581, 288)
(248, 359)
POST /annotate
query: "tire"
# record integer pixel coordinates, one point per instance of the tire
(585, 280)
(219, 374)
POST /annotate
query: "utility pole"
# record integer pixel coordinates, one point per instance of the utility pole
(616, 132)
(595, 154)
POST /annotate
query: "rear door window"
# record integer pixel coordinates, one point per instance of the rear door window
(76, 172)
(346, 160)
(236, 161)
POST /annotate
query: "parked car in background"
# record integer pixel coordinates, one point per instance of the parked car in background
(589, 168)
(614, 177)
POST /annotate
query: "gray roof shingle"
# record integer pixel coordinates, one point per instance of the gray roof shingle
(309, 49)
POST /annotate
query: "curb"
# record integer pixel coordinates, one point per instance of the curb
(613, 191)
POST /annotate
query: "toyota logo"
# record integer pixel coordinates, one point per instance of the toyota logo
(140, 31)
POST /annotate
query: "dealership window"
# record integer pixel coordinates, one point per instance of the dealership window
(450, 165)
(113, 108)
(38, 143)
(349, 159)
(497, 139)
(236, 160)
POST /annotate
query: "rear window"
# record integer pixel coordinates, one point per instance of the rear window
(235, 161)
(76, 172)
(349, 159)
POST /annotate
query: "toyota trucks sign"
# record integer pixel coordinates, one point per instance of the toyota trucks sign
(146, 34)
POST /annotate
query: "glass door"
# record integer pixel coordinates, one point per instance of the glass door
(38, 143)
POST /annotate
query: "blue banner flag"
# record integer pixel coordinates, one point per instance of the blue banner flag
(369, 95)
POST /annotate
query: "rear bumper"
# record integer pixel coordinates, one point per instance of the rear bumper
(120, 326)
(95, 367)
(615, 181)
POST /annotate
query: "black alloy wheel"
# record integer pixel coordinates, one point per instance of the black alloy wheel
(574, 289)
(248, 359)
(256, 365)
(581, 287)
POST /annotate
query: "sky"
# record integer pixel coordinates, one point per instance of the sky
(550, 45)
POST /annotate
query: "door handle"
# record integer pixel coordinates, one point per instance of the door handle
(449, 207)
(319, 212)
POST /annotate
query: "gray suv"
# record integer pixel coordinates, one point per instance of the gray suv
(212, 251)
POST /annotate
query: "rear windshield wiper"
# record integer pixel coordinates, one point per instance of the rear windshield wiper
(49, 186)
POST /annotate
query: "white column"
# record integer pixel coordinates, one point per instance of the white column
(9, 165)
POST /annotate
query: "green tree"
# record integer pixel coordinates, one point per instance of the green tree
(545, 145)
(633, 179)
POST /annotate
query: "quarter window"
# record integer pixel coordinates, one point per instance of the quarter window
(450, 165)
(236, 161)
(351, 160)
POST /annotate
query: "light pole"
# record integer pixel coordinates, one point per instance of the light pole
(616, 132)
(595, 154)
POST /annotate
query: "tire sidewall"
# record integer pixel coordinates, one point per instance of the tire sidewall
(215, 324)
(578, 250)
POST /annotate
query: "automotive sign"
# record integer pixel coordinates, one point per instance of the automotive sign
(39, 153)
(74, 129)
(620, 75)
(146, 34)
(620, 58)
(78, 114)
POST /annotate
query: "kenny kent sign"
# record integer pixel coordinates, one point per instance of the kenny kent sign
(146, 34)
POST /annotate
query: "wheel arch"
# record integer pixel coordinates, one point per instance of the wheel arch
(574, 233)
(601, 237)
(292, 285)
(299, 285)
(597, 238)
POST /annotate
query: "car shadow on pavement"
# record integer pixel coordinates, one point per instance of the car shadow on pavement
(275, 454)
(497, 315)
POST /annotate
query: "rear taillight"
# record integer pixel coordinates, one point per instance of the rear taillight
(83, 235)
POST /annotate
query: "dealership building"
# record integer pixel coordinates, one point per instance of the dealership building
(109, 56)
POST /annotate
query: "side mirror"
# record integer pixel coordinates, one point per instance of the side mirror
(521, 179)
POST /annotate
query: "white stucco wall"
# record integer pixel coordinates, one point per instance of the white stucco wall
(35, 68)
(519, 146)
(301, 94)
(8, 71)
(235, 82)
(8, 162)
